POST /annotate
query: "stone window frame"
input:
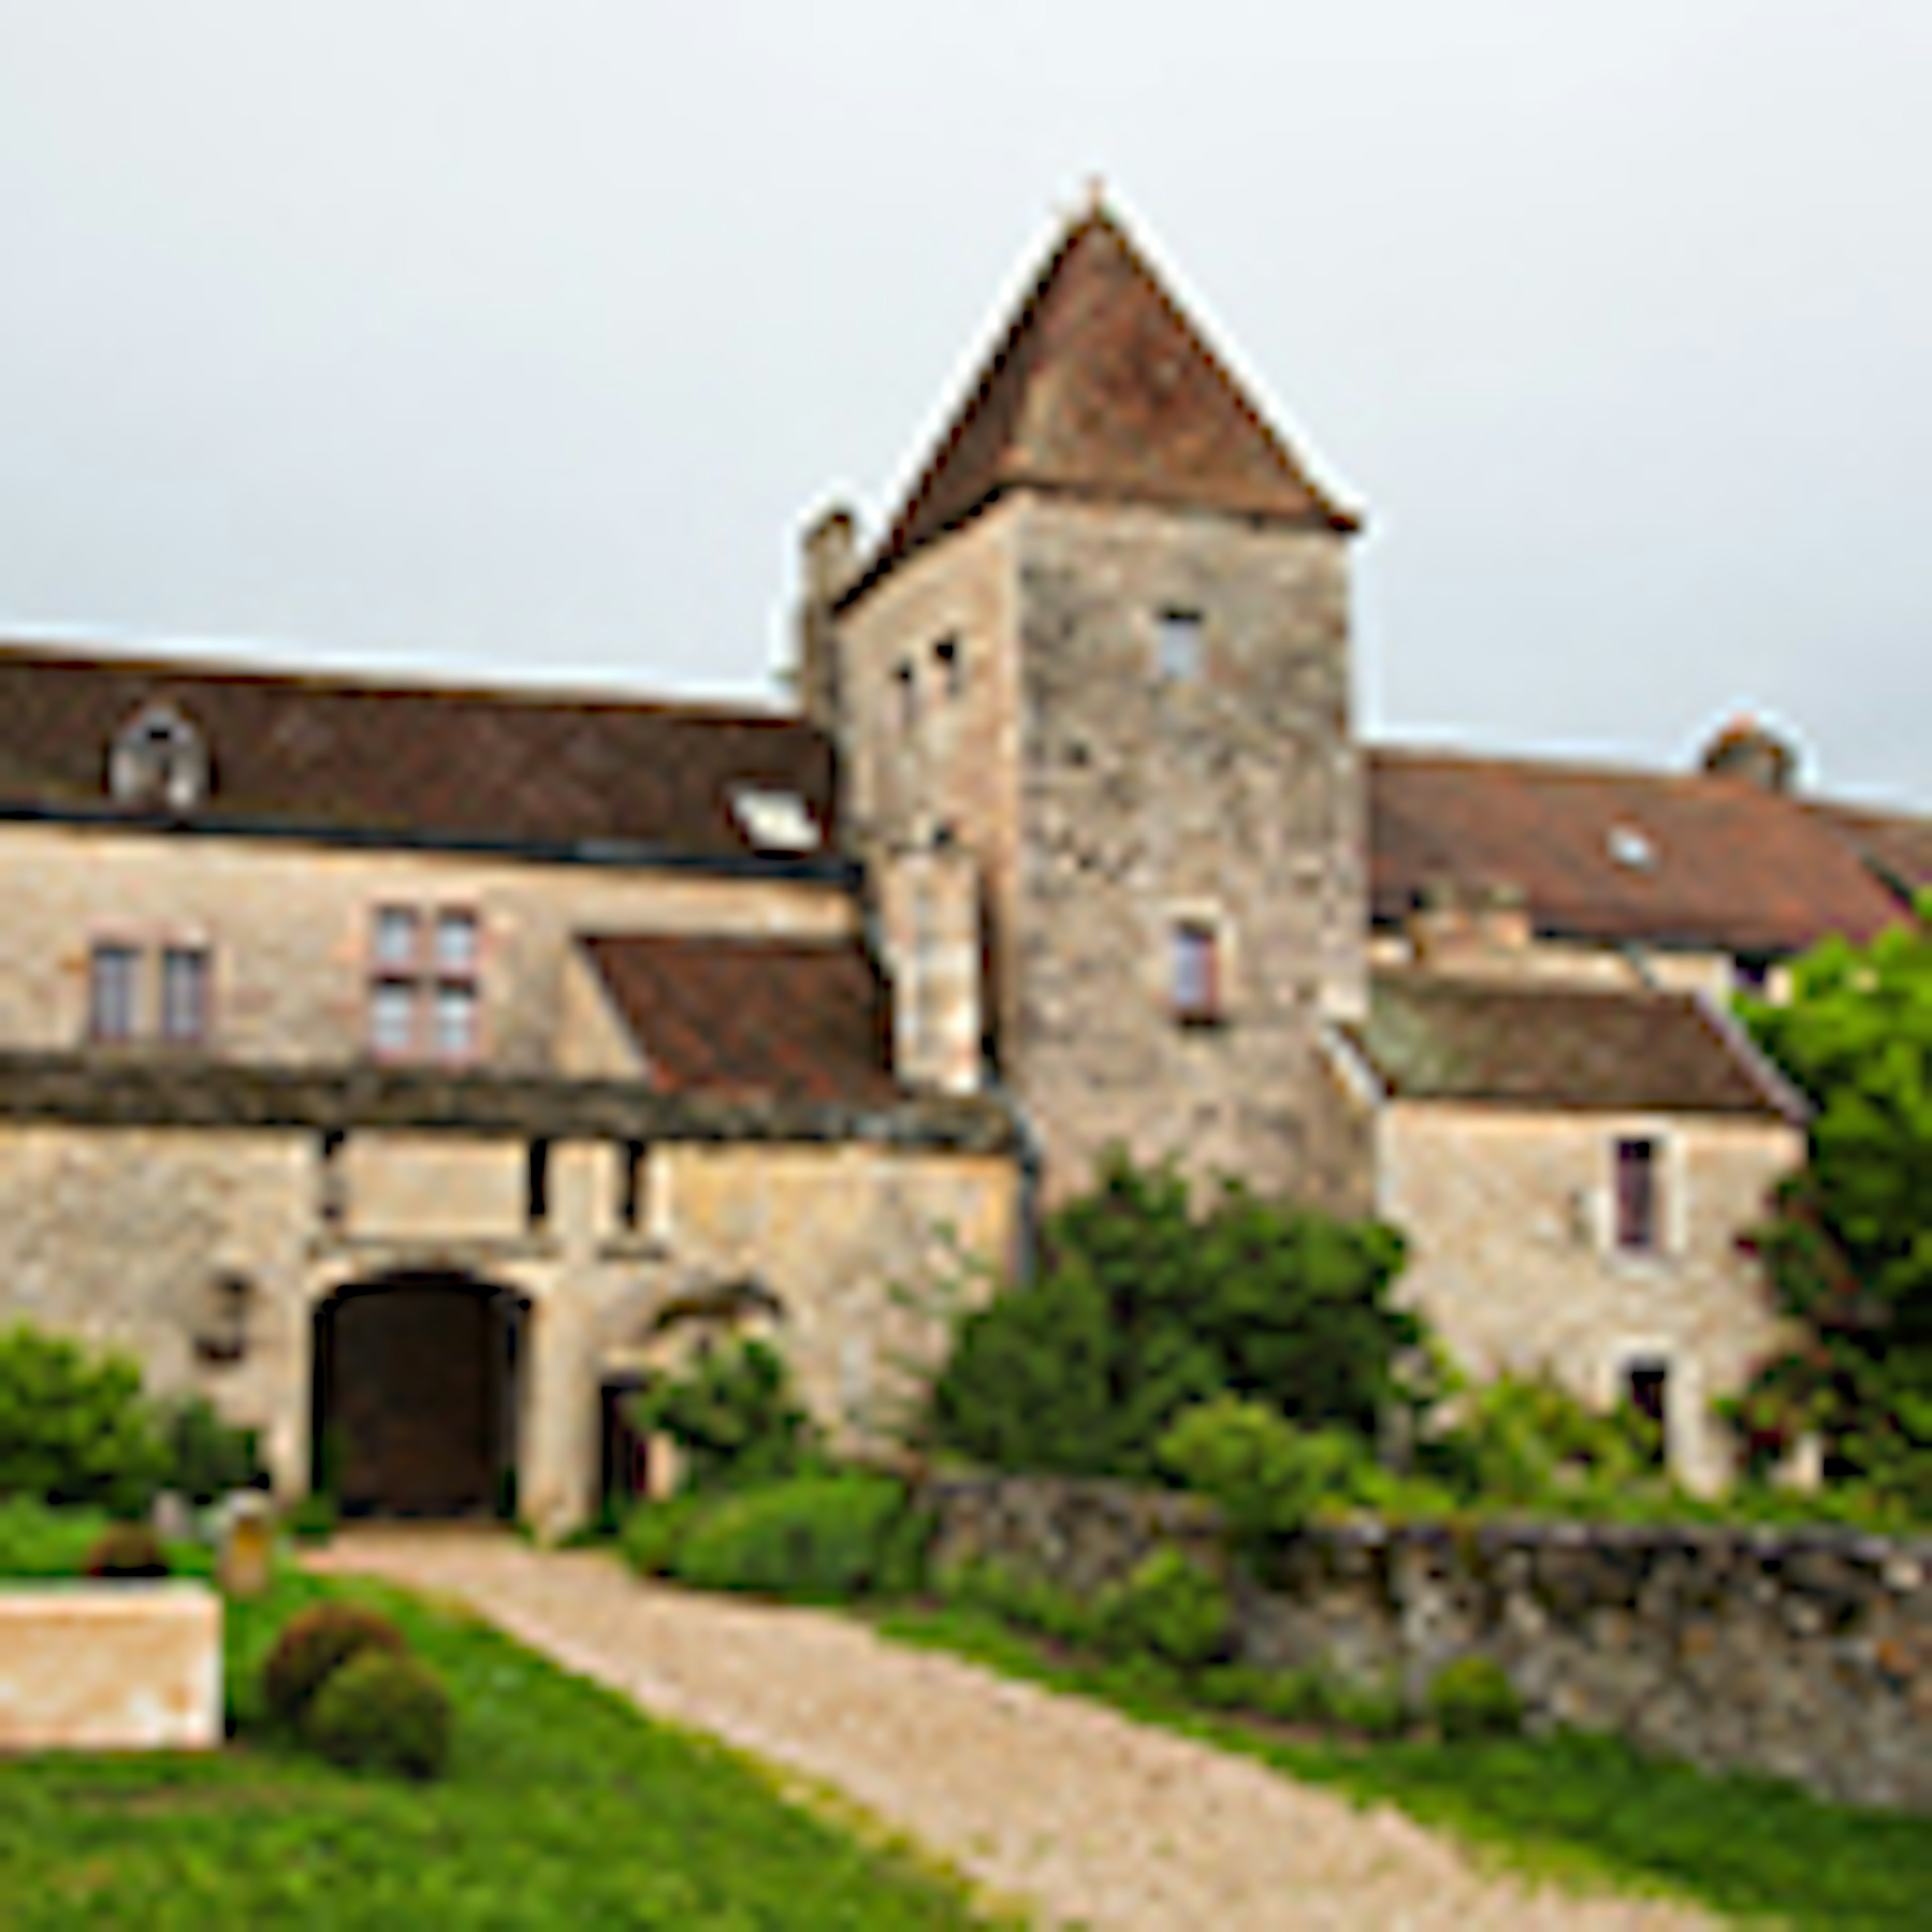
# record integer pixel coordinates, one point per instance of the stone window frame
(425, 975)
(949, 654)
(1670, 1201)
(158, 760)
(1179, 644)
(1683, 1385)
(147, 1020)
(1210, 918)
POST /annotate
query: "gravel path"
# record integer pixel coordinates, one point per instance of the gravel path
(1088, 1817)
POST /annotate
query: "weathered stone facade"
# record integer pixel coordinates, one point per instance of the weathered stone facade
(1807, 1655)
(1512, 1259)
(133, 1236)
(1110, 803)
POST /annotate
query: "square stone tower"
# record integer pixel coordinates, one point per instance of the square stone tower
(1103, 651)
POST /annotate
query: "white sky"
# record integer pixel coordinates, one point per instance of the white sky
(516, 341)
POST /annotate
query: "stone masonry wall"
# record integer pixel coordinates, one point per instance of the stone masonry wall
(1232, 799)
(288, 927)
(1513, 1261)
(1803, 1653)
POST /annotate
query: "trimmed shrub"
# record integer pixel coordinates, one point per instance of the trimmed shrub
(1473, 1697)
(654, 1532)
(129, 1550)
(73, 1427)
(314, 1644)
(312, 1518)
(37, 1540)
(380, 1711)
(826, 1538)
(1171, 1608)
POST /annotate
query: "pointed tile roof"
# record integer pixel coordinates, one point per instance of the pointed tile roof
(1101, 387)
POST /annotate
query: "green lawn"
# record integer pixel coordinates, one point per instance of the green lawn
(562, 1807)
(1578, 1809)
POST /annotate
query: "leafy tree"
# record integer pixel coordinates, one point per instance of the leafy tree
(1144, 1308)
(73, 1428)
(1848, 1246)
(734, 1413)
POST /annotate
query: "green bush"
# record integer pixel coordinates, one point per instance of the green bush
(823, 1537)
(734, 1413)
(312, 1518)
(38, 1539)
(73, 1428)
(206, 1458)
(315, 1643)
(653, 1532)
(1473, 1697)
(127, 1549)
(1144, 1308)
(1171, 1607)
(1030, 1601)
(379, 1711)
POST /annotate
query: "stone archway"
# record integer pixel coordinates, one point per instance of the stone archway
(417, 1394)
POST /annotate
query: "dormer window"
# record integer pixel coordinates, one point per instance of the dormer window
(158, 762)
(775, 821)
(1632, 847)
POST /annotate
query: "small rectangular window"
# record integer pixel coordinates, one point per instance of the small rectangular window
(1638, 1190)
(952, 661)
(455, 1021)
(1647, 1389)
(395, 943)
(536, 1189)
(392, 1018)
(184, 984)
(112, 981)
(456, 943)
(1196, 969)
(631, 1168)
(1177, 655)
(907, 679)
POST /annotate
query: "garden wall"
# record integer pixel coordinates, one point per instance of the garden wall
(1805, 1653)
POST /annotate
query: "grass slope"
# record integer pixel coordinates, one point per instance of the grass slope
(563, 1807)
(1581, 1811)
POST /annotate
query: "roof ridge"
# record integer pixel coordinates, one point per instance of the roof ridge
(410, 683)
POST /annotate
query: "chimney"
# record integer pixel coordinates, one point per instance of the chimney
(829, 565)
(1746, 749)
(928, 911)
(1456, 929)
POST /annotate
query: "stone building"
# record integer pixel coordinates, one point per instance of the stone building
(387, 1062)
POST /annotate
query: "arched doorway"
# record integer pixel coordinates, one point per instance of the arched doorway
(417, 1382)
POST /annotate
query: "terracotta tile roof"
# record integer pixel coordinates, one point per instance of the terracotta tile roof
(1101, 386)
(1430, 1037)
(340, 753)
(1707, 861)
(1895, 844)
(783, 1019)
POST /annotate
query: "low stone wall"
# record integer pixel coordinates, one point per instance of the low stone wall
(1806, 1653)
(110, 1666)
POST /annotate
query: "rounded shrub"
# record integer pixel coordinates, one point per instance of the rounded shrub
(826, 1538)
(313, 1645)
(1473, 1697)
(1171, 1607)
(127, 1549)
(382, 1711)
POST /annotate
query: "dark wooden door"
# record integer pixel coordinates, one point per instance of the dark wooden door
(418, 1398)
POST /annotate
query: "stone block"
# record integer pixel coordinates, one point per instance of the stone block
(110, 1666)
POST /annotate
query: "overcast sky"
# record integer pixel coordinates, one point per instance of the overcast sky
(516, 340)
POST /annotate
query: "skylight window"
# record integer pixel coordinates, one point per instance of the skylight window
(1630, 846)
(775, 821)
